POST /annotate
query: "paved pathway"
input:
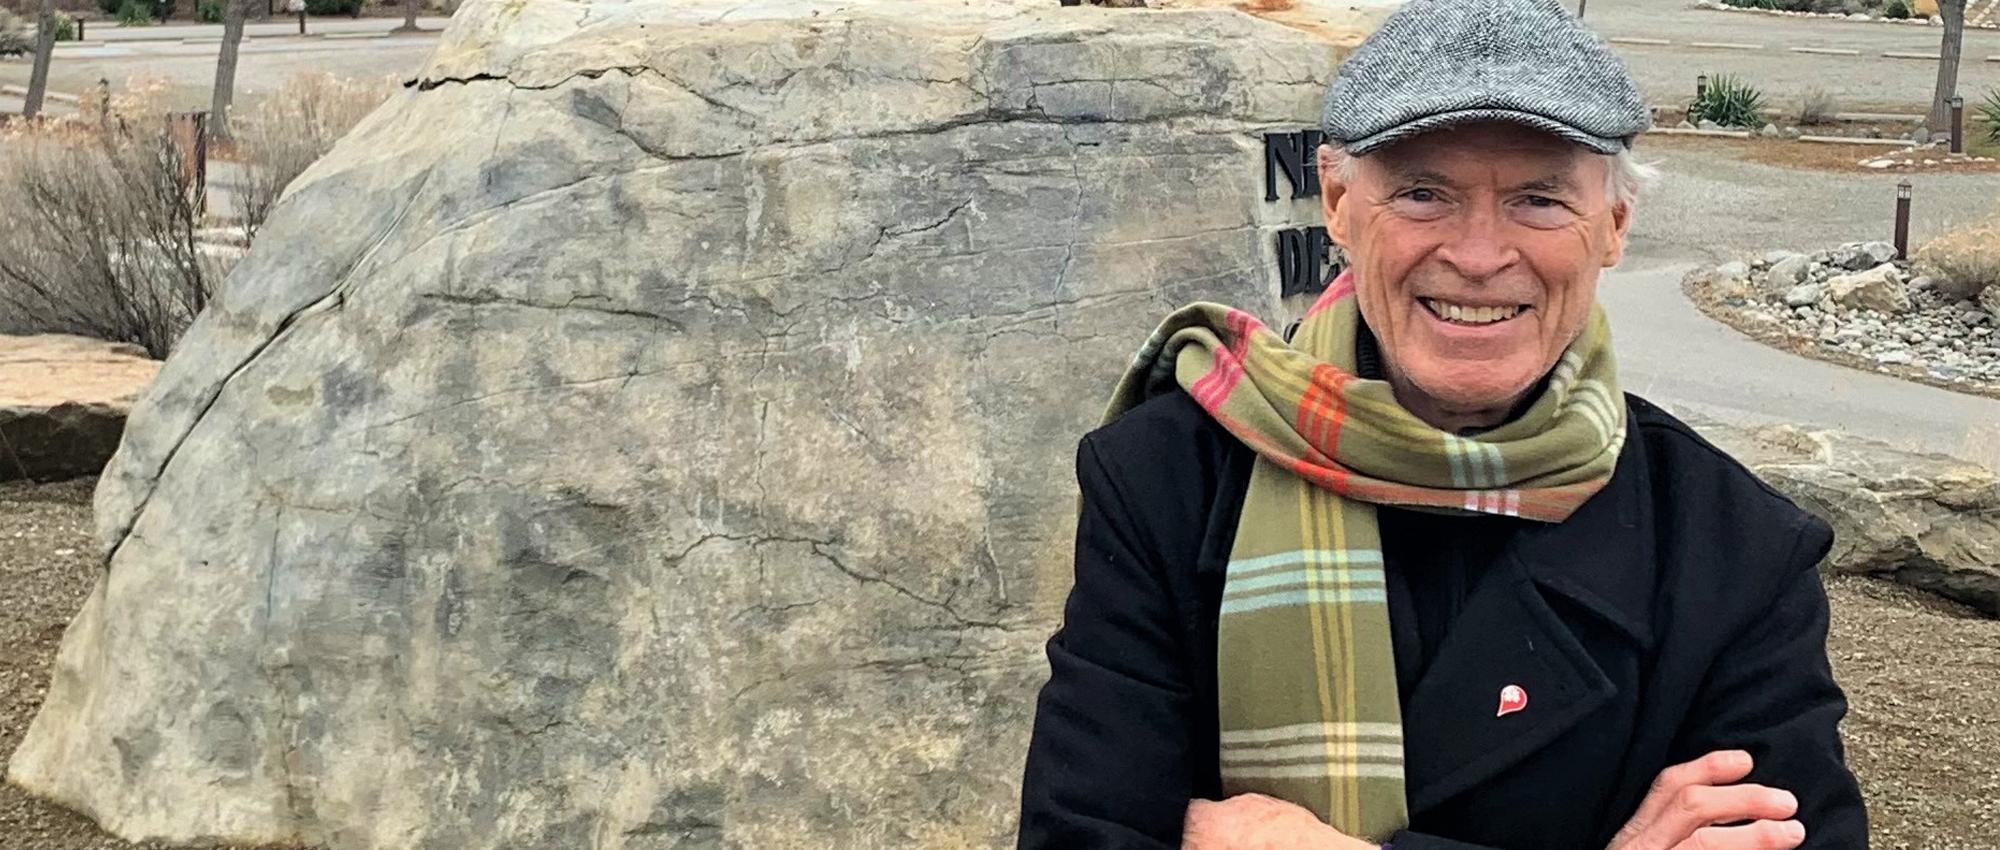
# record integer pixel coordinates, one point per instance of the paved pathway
(1672, 354)
(280, 25)
(1711, 207)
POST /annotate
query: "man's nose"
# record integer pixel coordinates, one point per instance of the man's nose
(1480, 248)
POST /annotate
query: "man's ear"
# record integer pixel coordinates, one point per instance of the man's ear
(1332, 194)
(1621, 223)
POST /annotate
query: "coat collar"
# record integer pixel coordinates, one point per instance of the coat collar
(1511, 632)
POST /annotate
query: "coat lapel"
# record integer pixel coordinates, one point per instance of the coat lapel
(1510, 634)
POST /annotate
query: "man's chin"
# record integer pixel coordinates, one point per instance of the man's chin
(1469, 390)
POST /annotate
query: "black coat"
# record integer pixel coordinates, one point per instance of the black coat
(1678, 612)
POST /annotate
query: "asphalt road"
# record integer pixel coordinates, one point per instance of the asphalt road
(1711, 208)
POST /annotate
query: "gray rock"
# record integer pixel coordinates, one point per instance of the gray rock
(1924, 520)
(1989, 300)
(1788, 271)
(685, 464)
(1732, 270)
(1879, 288)
(1922, 283)
(1791, 133)
(1803, 294)
(1709, 125)
(1772, 258)
(1921, 135)
(1770, 131)
(1684, 125)
(1894, 358)
(63, 402)
(1856, 256)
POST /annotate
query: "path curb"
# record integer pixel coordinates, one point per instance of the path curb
(1850, 140)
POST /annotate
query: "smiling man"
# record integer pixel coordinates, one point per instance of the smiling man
(1419, 575)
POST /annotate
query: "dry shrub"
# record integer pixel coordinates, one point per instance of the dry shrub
(291, 128)
(1817, 107)
(100, 236)
(1968, 256)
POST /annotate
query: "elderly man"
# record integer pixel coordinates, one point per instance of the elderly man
(1420, 575)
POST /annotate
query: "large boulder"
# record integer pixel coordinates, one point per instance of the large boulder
(653, 427)
(1925, 520)
(63, 402)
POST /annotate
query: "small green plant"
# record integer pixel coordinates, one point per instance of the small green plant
(135, 12)
(109, 7)
(209, 11)
(1896, 10)
(15, 38)
(1990, 111)
(1729, 102)
(65, 26)
(351, 8)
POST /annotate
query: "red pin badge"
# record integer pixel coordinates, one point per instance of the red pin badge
(1512, 698)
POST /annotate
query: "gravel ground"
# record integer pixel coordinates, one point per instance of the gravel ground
(1919, 672)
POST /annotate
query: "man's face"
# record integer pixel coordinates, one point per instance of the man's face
(1476, 251)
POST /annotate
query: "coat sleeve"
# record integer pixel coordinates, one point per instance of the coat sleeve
(1771, 692)
(1108, 765)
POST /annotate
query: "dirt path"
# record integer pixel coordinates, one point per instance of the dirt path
(1920, 673)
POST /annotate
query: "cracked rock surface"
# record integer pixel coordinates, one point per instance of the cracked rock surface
(1928, 521)
(653, 429)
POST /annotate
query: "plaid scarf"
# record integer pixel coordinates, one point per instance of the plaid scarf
(1306, 671)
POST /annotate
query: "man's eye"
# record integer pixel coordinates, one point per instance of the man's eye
(1422, 196)
(1543, 201)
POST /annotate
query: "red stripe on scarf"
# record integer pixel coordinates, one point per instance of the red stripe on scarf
(1212, 389)
(1322, 411)
(1341, 287)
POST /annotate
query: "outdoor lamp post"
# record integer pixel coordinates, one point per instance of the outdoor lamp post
(1700, 86)
(1957, 124)
(1903, 219)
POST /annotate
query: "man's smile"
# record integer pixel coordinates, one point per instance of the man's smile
(1474, 315)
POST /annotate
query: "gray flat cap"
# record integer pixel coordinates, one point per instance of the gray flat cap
(1436, 63)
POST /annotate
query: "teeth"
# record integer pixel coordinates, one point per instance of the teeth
(1469, 315)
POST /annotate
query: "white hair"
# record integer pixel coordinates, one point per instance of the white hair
(1624, 181)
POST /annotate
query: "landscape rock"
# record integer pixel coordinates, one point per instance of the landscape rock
(1790, 271)
(1925, 520)
(1733, 270)
(1770, 131)
(1856, 256)
(1803, 294)
(1949, 336)
(63, 402)
(1989, 299)
(1879, 288)
(653, 428)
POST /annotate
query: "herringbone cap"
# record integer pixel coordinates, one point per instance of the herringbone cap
(1436, 63)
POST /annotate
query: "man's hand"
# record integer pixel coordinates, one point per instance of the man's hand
(1690, 804)
(1257, 822)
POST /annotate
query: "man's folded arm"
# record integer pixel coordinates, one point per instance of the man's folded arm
(1771, 693)
(1108, 765)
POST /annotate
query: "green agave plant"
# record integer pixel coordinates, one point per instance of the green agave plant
(1729, 102)
(1990, 110)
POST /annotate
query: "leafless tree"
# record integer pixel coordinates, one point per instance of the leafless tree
(45, 48)
(225, 66)
(1953, 12)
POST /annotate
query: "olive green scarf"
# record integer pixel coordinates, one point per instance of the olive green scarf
(1308, 696)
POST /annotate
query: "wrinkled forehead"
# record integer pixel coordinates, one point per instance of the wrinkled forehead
(1492, 149)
